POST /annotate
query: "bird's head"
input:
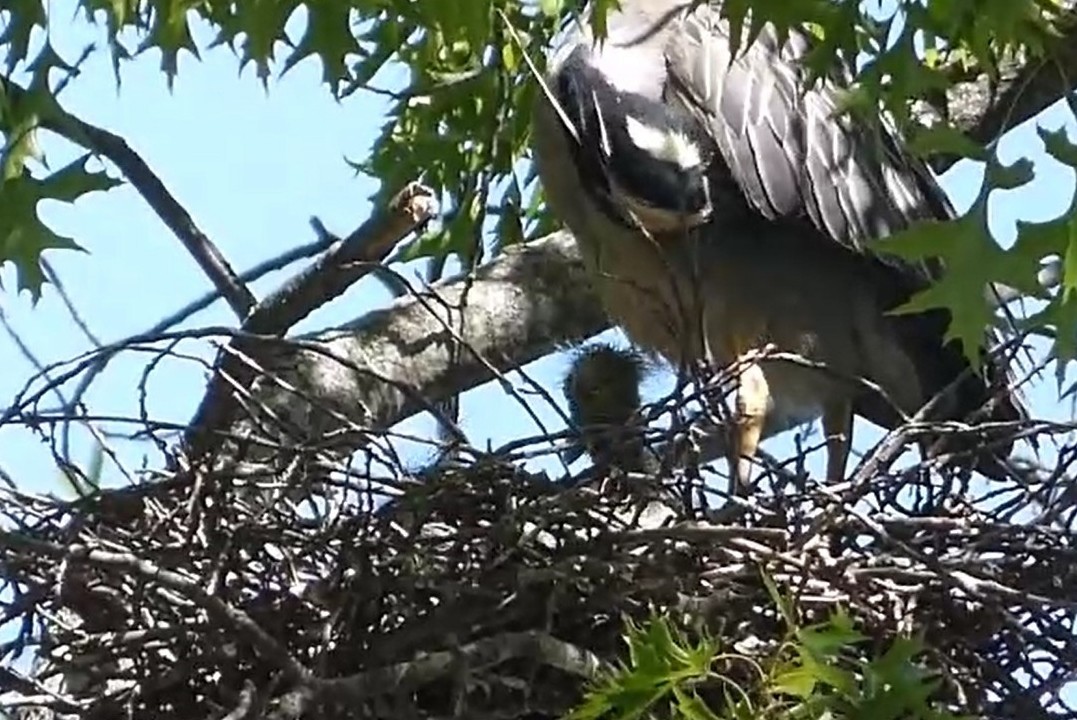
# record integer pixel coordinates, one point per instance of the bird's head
(642, 160)
(602, 387)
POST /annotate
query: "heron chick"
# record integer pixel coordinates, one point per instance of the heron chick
(602, 387)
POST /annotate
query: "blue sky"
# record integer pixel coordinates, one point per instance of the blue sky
(251, 167)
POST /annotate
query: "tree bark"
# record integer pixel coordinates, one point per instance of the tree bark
(427, 346)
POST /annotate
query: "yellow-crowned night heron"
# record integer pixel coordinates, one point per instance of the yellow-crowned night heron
(724, 205)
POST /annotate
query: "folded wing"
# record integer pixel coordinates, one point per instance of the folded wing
(789, 149)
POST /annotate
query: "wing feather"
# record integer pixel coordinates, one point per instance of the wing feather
(786, 146)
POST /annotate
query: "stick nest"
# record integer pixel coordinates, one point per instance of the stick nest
(478, 590)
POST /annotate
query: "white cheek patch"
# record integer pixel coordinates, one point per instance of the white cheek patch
(669, 146)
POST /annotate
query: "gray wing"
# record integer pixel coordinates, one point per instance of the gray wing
(786, 145)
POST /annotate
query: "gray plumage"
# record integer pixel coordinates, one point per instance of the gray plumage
(764, 240)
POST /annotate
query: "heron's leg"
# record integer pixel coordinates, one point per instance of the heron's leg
(838, 428)
(753, 399)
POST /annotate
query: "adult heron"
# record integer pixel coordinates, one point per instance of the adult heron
(724, 204)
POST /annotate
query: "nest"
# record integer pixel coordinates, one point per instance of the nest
(478, 590)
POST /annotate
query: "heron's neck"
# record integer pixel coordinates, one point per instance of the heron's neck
(632, 56)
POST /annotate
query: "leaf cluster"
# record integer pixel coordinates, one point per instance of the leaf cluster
(825, 670)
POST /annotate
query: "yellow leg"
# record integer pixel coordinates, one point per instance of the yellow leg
(753, 397)
(838, 428)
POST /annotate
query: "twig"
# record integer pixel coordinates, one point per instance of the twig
(187, 587)
(340, 268)
(256, 272)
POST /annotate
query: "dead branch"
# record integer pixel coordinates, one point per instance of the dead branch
(491, 593)
(394, 362)
(537, 648)
(352, 259)
(359, 588)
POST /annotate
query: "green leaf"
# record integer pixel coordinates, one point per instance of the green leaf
(73, 181)
(973, 260)
(650, 648)
(600, 9)
(261, 24)
(1034, 242)
(826, 672)
(944, 139)
(623, 695)
(799, 682)
(1007, 177)
(1058, 145)
(661, 661)
(784, 605)
(170, 33)
(1062, 315)
(22, 17)
(737, 11)
(552, 8)
(895, 685)
(689, 706)
(23, 236)
(20, 113)
(329, 37)
(896, 664)
(826, 640)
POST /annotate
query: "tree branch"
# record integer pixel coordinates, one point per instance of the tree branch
(522, 305)
(187, 587)
(393, 362)
(156, 195)
(356, 256)
(1022, 91)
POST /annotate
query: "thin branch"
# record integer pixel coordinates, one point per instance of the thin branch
(572, 312)
(154, 192)
(526, 304)
(316, 247)
(279, 262)
(340, 268)
(76, 317)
